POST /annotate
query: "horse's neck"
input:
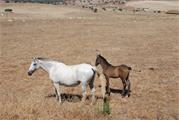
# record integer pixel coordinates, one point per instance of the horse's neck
(46, 65)
(104, 64)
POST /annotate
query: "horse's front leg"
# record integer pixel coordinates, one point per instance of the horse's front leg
(57, 90)
(83, 92)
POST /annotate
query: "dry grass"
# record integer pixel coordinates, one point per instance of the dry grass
(146, 42)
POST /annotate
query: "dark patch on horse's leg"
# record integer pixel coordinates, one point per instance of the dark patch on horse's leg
(56, 95)
(92, 89)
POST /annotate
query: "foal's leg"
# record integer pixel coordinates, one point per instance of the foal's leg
(124, 87)
(129, 86)
(56, 85)
(107, 85)
(91, 85)
(83, 92)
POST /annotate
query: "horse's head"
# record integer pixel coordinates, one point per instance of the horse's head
(97, 62)
(34, 66)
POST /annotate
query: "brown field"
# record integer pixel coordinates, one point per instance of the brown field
(147, 42)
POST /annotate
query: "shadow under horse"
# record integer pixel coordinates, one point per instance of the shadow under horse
(67, 97)
(71, 97)
(110, 71)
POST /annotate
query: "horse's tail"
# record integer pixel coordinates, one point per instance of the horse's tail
(95, 70)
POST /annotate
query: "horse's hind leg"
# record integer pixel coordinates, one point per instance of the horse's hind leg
(56, 85)
(91, 85)
(83, 92)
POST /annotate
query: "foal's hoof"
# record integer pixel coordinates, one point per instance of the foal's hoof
(123, 95)
(129, 95)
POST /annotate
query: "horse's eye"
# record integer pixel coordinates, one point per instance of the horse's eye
(35, 64)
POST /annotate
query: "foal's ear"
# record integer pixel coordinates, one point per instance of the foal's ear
(97, 53)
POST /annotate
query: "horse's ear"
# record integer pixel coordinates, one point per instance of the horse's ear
(34, 58)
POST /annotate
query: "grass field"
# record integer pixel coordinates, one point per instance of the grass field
(147, 42)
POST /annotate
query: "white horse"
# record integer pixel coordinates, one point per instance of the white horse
(62, 74)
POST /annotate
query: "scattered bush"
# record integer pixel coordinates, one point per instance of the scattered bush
(8, 10)
(106, 108)
(104, 8)
(95, 10)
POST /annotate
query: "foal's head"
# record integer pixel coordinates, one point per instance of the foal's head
(98, 60)
(34, 66)
(102, 61)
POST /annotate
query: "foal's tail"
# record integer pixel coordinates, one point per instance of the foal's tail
(129, 68)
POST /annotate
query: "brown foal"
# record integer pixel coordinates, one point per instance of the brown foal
(110, 71)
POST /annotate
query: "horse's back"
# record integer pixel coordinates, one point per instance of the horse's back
(77, 72)
(61, 72)
(84, 68)
(84, 71)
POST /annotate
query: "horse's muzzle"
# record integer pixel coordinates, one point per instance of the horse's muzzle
(30, 73)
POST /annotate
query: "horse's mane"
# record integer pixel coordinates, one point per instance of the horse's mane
(44, 59)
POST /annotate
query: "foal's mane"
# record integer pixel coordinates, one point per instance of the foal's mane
(104, 60)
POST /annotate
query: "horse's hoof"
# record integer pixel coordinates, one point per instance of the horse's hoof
(93, 103)
(60, 103)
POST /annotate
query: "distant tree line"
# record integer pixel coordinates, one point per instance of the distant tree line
(36, 1)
